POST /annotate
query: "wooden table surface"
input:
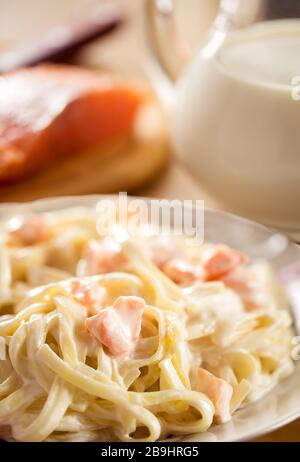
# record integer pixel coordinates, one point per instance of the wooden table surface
(124, 53)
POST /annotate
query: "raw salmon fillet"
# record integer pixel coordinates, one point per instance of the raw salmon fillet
(50, 111)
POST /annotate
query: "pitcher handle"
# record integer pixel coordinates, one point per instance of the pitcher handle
(167, 52)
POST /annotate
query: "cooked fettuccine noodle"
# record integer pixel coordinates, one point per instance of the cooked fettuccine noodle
(103, 340)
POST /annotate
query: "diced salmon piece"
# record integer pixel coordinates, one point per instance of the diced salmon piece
(245, 283)
(220, 260)
(182, 272)
(88, 293)
(102, 257)
(130, 310)
(50, 111)
(240, 280)
(162, 250)
(31, 231)
(218, 391)
(119, 326)
(107, 328)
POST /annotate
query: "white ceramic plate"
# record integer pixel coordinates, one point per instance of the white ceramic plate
(282, 405)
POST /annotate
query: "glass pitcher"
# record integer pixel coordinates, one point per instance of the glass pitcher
(235, 103)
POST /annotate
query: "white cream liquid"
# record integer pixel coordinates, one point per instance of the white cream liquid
(237, 126)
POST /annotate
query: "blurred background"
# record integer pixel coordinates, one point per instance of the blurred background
(123, 51)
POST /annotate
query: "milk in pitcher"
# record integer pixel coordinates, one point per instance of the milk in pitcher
(237, 122)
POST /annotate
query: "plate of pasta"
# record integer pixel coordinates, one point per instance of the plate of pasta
(113, 338)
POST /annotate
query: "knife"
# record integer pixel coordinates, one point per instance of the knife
(60, 43)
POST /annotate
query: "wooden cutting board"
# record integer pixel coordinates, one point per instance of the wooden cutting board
(123, 165)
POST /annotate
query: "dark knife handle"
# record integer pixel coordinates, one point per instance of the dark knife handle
(62, 42)
(282, 9)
